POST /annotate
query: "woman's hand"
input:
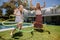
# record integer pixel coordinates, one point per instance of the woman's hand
(44, 4)
(43, 0)
(25, 1)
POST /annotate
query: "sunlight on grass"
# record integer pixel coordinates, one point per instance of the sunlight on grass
(55, 34)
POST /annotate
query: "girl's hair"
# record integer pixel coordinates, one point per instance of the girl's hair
(19, 6)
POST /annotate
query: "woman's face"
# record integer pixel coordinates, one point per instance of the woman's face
(38, 5)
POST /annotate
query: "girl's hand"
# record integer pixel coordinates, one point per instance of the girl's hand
(16, 10)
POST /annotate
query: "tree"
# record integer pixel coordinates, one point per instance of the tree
(58, 6)
(0, 11)
(11, 5)
(23, 2)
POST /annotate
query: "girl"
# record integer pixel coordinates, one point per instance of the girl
(18, 12)
(38, 21)
(19, 18)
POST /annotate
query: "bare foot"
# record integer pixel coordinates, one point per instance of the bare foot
(11, 34)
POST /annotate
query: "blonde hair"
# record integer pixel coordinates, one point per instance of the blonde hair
(20, 6)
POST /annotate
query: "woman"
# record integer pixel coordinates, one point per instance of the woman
(38, 21)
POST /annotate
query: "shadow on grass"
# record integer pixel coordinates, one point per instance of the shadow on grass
(32, 34)
(1, 38)
(17, 35)
(20, 34)
(41, 30)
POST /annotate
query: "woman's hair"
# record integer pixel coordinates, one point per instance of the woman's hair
(38, 6)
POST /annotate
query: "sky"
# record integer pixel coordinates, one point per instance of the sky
(49, 3)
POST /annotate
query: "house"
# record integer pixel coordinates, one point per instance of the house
(51, 15)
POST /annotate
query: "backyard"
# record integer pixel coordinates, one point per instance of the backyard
(54, 34)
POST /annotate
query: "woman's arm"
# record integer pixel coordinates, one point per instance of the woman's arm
(25, 3)
(44, 5)
(31, 6)
(25, 10)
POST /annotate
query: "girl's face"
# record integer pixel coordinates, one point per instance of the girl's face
(38, 5)
(21, 8)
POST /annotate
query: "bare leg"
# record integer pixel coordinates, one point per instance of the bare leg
(12, 31)
(19, 26)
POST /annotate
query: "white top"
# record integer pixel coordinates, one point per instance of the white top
(19, 18)
(38, 12)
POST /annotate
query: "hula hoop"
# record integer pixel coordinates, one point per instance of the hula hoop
(8, 25)
(26, 31)
(11, 22)
(18, 29)
(16, 24)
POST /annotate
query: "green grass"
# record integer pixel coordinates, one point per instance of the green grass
(55, 34)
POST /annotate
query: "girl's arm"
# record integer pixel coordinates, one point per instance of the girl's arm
(44, 4)
(15, 12)
(31, 6)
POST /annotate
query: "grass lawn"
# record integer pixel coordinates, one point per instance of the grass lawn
(55, 34)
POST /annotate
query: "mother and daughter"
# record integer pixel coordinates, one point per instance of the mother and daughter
(18, 12)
